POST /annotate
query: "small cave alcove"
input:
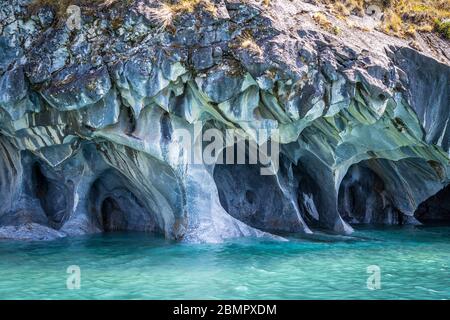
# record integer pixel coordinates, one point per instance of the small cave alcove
(242, 193)
(112, 216)
(363, 198)
(115, 205)
(435, 209)
(255, 199)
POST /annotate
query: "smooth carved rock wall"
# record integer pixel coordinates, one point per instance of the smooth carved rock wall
(87, 122)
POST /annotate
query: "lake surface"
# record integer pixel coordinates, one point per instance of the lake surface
(414, 263)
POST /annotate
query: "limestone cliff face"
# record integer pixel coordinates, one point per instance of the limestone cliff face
(87, 117)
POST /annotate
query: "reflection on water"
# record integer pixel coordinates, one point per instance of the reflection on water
(414, 262)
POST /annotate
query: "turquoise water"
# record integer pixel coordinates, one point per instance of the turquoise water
(414, 264)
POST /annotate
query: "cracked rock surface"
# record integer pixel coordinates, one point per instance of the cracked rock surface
(87, 122)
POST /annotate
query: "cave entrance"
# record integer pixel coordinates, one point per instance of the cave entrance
(255, 199)
(40, 182)
(435, 209)
(121, 210)
(118, 205)
(53, 194)
(364, 199)
(112, 216)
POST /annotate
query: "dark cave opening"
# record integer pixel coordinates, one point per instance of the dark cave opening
(239, 196)
(40, 182)
(250, 196)
(131, 122)
(255, 199)
(53, 195)
(115, 205)
(435, 209)
(166, 127)
(363, 198)
(112, 216)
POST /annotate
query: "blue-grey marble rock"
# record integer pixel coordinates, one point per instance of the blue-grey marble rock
(89, 119)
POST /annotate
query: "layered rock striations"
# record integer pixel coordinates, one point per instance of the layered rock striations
(88, 115)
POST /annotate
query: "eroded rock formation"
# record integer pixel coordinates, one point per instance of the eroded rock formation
(87, 117)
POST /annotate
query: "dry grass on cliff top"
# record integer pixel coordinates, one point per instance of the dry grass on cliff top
(164, 13)
(400, 17)
(60, 6)
(174, 6)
